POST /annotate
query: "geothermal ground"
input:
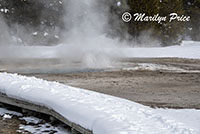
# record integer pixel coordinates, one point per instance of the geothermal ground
(170, 83)
(162, 82)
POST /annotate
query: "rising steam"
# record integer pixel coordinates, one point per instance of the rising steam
(85, 36)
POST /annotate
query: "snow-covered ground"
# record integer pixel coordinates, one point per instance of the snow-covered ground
(103, 114)
(188, 49)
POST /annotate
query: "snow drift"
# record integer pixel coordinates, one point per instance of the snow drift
(102, 114)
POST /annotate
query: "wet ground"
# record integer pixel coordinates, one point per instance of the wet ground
(166, 82)
(152, 88)
(9, 126)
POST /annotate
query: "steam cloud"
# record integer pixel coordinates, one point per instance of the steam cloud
(85, 37)
(87, 23)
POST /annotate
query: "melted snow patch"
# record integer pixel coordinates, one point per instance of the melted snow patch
(42, 129)
(4, 111)
(7, 116)
(33, 125)
(32, 120)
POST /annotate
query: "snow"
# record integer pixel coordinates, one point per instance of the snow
(189, 117)
(8, 112)
(32, 124)
(35, 33)
(103, 114)
(4, 10)
(188, 49)
(38, 126)
(33, 120)
(118, 3)
(158, 67)
(56, 36)
(46, 34)
(60, 2)
(41, 129)
(7, 116)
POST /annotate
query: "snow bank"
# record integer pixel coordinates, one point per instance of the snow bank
(188, 49)
(103, 114)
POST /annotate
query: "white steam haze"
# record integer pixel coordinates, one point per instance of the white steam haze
(84, 39)
(86, 22)
(5, 37)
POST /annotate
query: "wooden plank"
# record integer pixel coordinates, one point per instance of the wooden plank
(42, 109)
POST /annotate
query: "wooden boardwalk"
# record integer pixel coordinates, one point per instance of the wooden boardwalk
(76, 129)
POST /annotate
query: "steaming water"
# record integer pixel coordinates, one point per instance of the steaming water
(53, 66)
(84, 39)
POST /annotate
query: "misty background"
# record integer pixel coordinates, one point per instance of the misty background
(50, 22)
(90, 30)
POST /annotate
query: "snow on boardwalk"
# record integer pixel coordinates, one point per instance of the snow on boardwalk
(102, 114)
